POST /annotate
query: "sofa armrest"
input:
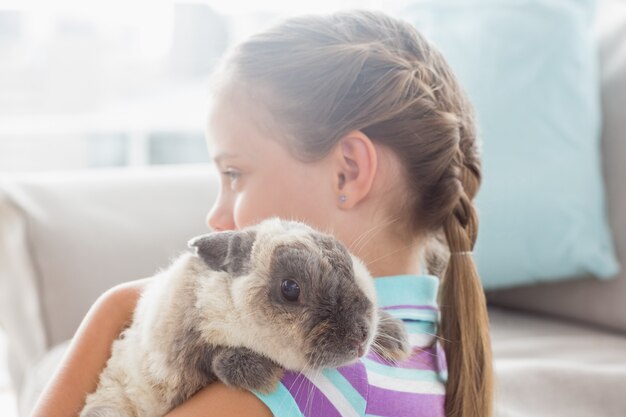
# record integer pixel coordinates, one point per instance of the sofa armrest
(20, 309)
(67, 237)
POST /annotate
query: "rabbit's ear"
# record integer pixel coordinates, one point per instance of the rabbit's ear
(225, 251)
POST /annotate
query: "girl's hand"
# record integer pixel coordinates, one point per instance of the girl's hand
(90, 349)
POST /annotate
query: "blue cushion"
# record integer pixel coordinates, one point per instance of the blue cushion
(530, 69)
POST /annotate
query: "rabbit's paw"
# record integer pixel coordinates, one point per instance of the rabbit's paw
(242, 368)
(102, 412)
(392, 340)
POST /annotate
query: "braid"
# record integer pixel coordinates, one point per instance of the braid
(447, 207)
(461, 226)
(463, 306)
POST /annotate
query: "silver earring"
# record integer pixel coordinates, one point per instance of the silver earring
(343, 198)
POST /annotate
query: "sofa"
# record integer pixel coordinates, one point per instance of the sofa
(66, 237)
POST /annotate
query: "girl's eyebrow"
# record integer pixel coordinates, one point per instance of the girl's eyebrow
(224, 155)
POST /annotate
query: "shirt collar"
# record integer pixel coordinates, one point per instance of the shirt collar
(409, 296)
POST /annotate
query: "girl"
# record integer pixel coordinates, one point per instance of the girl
(354, 123)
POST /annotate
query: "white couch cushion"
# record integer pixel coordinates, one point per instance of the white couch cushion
(67, 237)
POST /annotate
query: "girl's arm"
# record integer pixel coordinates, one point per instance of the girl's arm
(219, 400)
(88, 352)
(90, 349)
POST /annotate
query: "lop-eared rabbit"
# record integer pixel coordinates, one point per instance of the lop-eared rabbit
(242, 306)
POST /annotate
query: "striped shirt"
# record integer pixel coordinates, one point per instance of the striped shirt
(373, 387)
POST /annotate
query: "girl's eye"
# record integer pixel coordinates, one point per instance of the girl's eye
(290, 289)
(232, 175)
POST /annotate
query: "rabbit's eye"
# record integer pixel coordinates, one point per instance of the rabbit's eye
(290, 289)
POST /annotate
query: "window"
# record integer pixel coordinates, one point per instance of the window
(95, 83)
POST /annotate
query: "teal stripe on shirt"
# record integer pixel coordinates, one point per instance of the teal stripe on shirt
(407, 290)
(420, 327)
(356, 400)
(280, 402)
(402, 373)
(412, 314)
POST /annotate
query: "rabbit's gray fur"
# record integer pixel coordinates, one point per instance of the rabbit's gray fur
(218, 313)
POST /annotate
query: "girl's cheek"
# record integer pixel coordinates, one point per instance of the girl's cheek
(240, 215)
(246, 210)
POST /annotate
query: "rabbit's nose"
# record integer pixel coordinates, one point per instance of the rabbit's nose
(361, 333)
(358, 346)
(358, 343)
(360, 351)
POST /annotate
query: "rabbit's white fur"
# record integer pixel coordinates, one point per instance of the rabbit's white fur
(142, 367)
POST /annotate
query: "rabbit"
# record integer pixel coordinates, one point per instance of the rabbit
(242, 306)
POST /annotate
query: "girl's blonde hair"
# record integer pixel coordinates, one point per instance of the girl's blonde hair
(311, 79)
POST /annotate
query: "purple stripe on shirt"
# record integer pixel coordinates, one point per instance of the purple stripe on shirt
(419, 359)
(410, 307)
(311, 401)
(442, 364)
(383, 402)
(357, 376)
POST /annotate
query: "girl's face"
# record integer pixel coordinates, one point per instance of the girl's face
(260, 179)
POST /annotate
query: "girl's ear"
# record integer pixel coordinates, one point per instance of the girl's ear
(227, 251)
(356, 166)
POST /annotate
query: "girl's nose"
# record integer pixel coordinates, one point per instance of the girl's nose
(220, 218)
